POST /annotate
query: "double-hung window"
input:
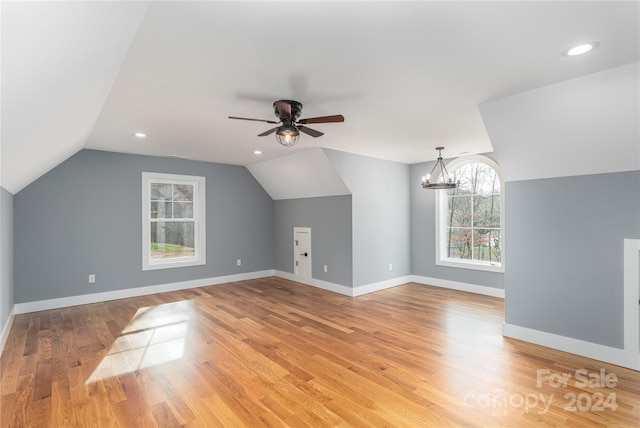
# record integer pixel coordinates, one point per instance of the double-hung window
(470, 218)
(173, 221)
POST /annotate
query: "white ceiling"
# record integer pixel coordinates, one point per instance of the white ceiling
(407, 76)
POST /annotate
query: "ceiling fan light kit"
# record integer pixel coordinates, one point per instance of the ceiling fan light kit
(288, 133)
(444, 180)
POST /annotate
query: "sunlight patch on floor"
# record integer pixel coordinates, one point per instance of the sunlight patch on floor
(156, 335)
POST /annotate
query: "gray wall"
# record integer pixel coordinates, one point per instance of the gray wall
(6, 256)
(423, 238)
(84, 217)
(330, 221)
(380, 215)
(565, 261)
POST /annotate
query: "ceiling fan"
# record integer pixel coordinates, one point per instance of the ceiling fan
(288, 132)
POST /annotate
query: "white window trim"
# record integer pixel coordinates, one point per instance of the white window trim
(200, 221)
(440, 223)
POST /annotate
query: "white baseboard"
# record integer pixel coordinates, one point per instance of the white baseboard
(382, 285)
(461, 286)
(616, 356)
(394, 282)
(325, 285)
(43, 305)
(6, 329)
(343, 289)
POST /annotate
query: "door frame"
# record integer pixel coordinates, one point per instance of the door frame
(631, 296)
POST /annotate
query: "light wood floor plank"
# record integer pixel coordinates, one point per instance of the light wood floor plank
(271, 352)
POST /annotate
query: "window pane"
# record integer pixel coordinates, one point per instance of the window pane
(464, 175)
(459, 211)
(160, 209)
(160, 192)
(486, 180)
(486, 245)
(183, 210)
(183, 192)
(172, 239)
(486, 211)
(459, 243)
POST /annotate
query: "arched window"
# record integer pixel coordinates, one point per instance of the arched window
(470, 218)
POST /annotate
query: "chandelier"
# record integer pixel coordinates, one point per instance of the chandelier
(442, 181)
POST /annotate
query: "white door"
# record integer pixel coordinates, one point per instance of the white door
(302, 251)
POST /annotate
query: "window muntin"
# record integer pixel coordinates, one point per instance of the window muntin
(470, 217)
(173, 221)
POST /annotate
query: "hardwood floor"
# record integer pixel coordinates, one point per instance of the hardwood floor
(270, 352)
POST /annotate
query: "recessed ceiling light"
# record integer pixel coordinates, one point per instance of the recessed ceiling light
(140, 135)
(581, 49)
(257, 152)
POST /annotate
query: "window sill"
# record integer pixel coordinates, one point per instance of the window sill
(176, 263)
(499, 268)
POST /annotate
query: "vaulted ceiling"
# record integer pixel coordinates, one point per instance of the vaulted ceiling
(407, 76)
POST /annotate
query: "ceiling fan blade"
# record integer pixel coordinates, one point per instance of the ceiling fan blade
(255, 120)
(323, 119)
(310, 131)
(284, 109)
(271, 131)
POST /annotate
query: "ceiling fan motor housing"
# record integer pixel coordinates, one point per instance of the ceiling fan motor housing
(296, 109)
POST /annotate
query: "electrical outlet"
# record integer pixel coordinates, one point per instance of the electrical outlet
(92, 279)
(239, 262)
(325, 268)
(390, 266)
